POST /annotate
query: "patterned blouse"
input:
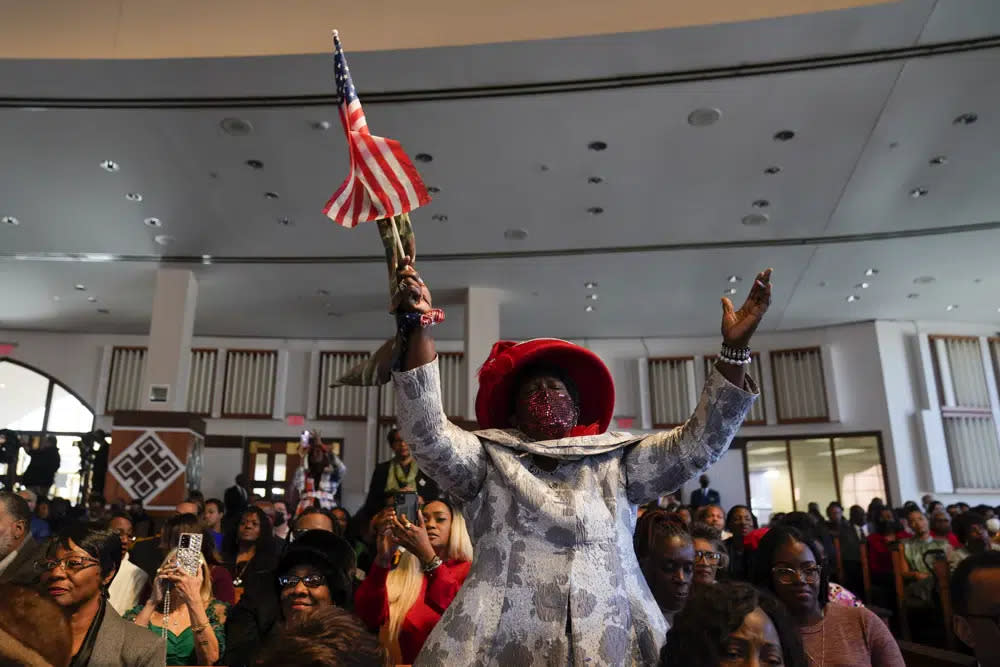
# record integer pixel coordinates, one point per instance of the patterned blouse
(180, 647)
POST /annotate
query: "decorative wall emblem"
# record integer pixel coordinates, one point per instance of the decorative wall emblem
(146, 467)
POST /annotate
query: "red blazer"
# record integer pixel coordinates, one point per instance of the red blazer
(371, 603)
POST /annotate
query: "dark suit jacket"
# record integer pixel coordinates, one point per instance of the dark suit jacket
(701, 497)
(22, 569)
(235, 502)
(427, 488)
(121, 642)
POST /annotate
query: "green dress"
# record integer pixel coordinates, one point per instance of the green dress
(180, 647)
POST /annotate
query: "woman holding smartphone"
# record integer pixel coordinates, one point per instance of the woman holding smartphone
(404, 602)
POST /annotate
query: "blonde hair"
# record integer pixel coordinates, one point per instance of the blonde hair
(404, 584)
(206, 575)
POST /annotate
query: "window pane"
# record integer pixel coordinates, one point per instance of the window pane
(859, 466)
(260, 491)
(22, 397)
(260, 467)
(812, 472)
(277, 492)
(279, 467)
(67, 483)
(770, 485)
(67, 413)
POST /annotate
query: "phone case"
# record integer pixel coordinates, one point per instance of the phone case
(189, 553)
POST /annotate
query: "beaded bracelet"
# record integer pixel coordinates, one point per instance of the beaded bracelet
(736, 356)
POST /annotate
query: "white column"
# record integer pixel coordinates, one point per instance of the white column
(168, 359)
(482, 329)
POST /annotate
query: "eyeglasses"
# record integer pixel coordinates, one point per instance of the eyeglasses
(786, 575)
(68, 564)
(709, 557)
(311, 581)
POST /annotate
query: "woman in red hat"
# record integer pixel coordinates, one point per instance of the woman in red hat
(550, 496)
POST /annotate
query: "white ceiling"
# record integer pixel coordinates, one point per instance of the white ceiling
(865, 135)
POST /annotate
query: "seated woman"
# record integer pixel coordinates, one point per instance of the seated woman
(730, 624)
(406, 602)
(709, 553)
(316, 572)
(78, 567)
(666, 558)
(251, 552)
(222, 580)
(790, 565)
(970, 529)
(191, 621)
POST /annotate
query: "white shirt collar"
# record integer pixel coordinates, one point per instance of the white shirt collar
(5, 563)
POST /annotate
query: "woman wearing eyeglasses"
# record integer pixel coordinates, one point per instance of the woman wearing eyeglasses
(710, 556)
(790, 564)
(76, 571)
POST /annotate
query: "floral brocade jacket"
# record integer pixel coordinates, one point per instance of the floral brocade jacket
(555, 580)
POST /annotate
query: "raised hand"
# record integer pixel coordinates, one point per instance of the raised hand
(412, 295)
(413, 537)
(739, 325)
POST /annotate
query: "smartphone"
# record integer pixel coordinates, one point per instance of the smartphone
(407, 505)
(189, 553)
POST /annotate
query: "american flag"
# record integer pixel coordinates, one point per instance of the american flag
(383, 182)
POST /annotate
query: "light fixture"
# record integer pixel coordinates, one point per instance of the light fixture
(133, 196)
(862, 286)
(433, 189)
(589, 309)
(10, 220)
(103, 311)
(271, 195)
(912, 295)
(590, 284)
(57, 298)
(852, 298)
(594, 180)
(80, 288)
(917, 193)
(322, 292)
(595, 210)
(977, 280)
(255, 164)
(761, 203)
(439, 217)
(730, 291)
(423, 157)
(784, 135)
(704, 117)
(592, 297)
(871, 272)
(597, 145)
(923, 280)
(755, 219)
(966, 119)
(321, 125)
(515, 234)
(734, 279)
(236, 127)
(772, 170)
(163, 239)
(823, 283)
(206, 259)
(110, 166)
(951, 306)
(938, 160)
(152, 222)
(92, 299)
(543, 167)
(285, 222)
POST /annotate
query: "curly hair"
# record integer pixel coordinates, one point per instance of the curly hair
(654, 525)
(328, 636)
(700, 630)
(777, 537)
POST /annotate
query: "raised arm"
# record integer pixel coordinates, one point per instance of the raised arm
(664, 461)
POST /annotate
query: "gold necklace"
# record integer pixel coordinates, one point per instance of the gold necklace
(822, 650)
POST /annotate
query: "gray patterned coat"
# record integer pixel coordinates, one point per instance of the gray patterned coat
(555, 580)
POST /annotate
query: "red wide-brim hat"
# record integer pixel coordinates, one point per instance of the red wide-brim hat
(494, 402)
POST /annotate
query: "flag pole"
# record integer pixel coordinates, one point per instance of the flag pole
(395, 236)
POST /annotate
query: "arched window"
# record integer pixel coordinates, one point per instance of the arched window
(36, 405)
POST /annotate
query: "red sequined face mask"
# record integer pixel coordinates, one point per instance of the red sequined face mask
(546, 413)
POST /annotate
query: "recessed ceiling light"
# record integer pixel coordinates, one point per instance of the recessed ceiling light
(10, 220)
(163, 239)
(80, 288)
(423, 157)
(734, 279)
(772, 170)
(543, 167)
(852, 298)
(594, 180)
(589, 309)
(333, 313)
(110, 166)
(133, 196)
(923, 280)
(784, 135)
(597, 145)
(871, 272)
(439, 217)
(966, 119)
(255, 164)
(938, 160)
(862, 286)
(912, 295)
(57, 298)
(761, 203)
(152, 222)
(433, 189)
(271, 195)
(236, 127)
(731, 290)
(917, 193)
(823, 283)
(515, 234)
(103, 311)
(206, 259)
(285, 222)
(951, 306)
(322, 292)
(592, 297)
(321, 125)
(704, 117)
(590, 284)
(595, 210)
(755, 219)
(92, 299)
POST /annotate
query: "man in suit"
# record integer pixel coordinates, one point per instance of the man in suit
(704, 495)
(18, 551)
(398, 474)
(236, 499)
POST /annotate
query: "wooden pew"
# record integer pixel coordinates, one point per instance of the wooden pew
(917, 655)
(900, 586)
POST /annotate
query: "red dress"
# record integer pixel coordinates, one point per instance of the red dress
(439, 588)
